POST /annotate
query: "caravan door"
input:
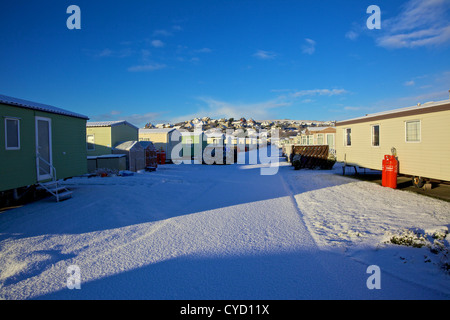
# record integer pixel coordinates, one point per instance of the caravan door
(43, 148)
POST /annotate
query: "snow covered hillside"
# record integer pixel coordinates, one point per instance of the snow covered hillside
(226, 232)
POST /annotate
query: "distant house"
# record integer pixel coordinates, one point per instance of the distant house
(215, 137)
(103, 136)
(193, 144)
(319, 136)
(39, 142)
(418, 135)
(163, 139)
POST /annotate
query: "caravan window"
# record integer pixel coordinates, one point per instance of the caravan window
(412, 131)
(90, 142)
(320, 138)
(12, 134)
(348, 137)
(304, 140)
(375, 135)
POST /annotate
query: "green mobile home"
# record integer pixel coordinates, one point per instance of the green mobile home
(193, 143)
(103, 136)
(39, 141)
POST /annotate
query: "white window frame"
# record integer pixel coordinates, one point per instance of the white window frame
(345, 137)
(89, 143)
(372, 134)
(420, 131)
(304, 140)
(18, 134)
(323, 137)
(326, 138)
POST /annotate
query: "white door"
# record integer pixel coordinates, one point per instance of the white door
(44, 148)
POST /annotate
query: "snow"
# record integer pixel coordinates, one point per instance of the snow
(225, 232)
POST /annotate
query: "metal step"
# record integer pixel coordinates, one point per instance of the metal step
(55, 189)
(47, 185)
(64, 195)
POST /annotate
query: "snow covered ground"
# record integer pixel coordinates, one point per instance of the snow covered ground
(225, 232)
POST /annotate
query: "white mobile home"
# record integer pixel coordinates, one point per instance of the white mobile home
(418, 135)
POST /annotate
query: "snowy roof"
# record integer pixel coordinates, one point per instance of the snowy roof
(108, 123)
(128, 145)
(146, 144)
(419, 108)
(107, 156)
(38, 106)
(161, 130)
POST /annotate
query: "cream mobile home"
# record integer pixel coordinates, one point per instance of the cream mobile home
(418, 135)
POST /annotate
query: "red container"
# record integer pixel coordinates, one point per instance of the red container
(163, 156)
(158, 156)
(389, 172)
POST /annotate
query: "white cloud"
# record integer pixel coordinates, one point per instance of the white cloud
(409, 83)
(203, 50)
(147, 67)
(264, 55)
(319, 92)
(105, 53)
(215, 108)
(221, 109)
(420, 23)
(309, 47)
(352, 35)
(162, 32)
(157, 43)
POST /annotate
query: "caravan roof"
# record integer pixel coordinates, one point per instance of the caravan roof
(38, 106)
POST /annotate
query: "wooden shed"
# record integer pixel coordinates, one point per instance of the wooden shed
(135, 154)
(39, 143)
(151, 159)
(418, 135)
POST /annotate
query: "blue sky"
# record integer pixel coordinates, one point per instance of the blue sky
(165, 61)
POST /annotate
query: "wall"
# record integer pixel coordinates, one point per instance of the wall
(123, 132)
(102, 140)
(18, 167)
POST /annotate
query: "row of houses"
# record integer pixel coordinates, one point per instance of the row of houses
(40, 142)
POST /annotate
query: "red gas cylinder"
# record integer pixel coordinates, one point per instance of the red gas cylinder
(390, 171)
(163, 156)
(158, 157)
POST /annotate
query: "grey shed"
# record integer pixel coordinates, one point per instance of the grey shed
(135, 154)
